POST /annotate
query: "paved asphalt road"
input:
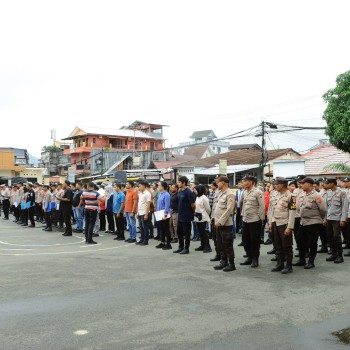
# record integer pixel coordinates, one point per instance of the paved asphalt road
(122, 296)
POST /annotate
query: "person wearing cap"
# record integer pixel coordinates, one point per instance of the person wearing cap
(30, 205)
(281, 223)
(6, 194)
(273, 195)
(253, 217)
(20, 194)
(346, 229)
(238, 198)
(216, 192)
(338, 205)
(313, 210)
(223, 218)
(297, 193)
(323, 234)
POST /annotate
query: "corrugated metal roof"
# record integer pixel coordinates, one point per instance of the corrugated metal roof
(109, 132)
(230, 169)
(202, 133)
(317, 159)
(196, 151)
(247, 156)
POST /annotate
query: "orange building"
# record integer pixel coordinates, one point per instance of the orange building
(139, 137)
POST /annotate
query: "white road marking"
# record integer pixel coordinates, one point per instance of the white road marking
(44, 245)
(81, 332)
(78, 251)
(15, 249)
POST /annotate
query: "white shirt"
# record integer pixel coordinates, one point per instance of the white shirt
(144, 197)
(203, 207)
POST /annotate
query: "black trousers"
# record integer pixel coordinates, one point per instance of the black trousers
(251, 238)
(225, 243)
(308, 241)
(283, 243)
(48, 219)
(203, 234)
(296, 231)
(334, 237)
(110, 220)
(165, 230)
(119, 223)
(323, 237)
(31, 211)
(6, 207)
(214, 235)
(102, 217)
(238, 220)
(67, 220)
(90, 220)
(184, 234)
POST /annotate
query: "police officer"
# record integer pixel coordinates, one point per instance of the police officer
(323, 234)
(313, 210)
(337, 211)
(223, 218)
(253, 216)
(216, 192)
(297, 193)
(281, 222)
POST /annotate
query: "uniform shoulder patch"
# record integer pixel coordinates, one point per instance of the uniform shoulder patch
(292, 203)
(319, 199)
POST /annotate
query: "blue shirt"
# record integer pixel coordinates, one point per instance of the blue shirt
(186, 198)
(163, 202)
(118, 199)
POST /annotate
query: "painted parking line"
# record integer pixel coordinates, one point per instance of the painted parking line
(44, 245)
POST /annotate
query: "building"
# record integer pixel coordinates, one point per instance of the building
(95, 150)
(204, 138)
(245, 146)
(239, 162)
(54, 159)
(10, 164)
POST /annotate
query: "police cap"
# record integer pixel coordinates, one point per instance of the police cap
(308, 180)
(281, 181)
(300, 177)
(250, 178)
(330, 180)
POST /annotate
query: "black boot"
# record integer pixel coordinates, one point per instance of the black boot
(331, 258)
(279, 267)
(272, 251)
(338, 260)
(300, 262)
(309, 265)
(287, 269)
(199, 249)
(216, 258)
(248, 261)
(207, 249)
(221, 265)
(255, 262)
(230, 267)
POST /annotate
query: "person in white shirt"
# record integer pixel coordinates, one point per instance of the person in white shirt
(201, 217)
(143, 213)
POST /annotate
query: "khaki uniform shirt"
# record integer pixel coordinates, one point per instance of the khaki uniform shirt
(313, 208)
(337, 204)
(215, 202)
(253, 206)
(273, 195)
(297, 193)
(224, 208)
(283, 210)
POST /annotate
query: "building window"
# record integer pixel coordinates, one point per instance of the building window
(94, 140)
(126, 142)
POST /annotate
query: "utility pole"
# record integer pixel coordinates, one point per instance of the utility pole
(102, 159)
(264, 155)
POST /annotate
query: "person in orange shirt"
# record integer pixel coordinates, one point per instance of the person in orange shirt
(131, 204)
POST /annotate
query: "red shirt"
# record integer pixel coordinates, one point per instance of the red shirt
(267, 201)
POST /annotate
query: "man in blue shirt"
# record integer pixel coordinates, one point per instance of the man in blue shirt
(186, 210)
(118, 210)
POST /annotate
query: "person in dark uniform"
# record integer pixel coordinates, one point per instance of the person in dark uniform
(185, 216)
(30, 203)
(66, 207)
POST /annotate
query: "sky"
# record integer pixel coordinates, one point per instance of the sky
(192, 65)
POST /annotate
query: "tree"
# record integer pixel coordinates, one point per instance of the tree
(338, 167)
(337, 113)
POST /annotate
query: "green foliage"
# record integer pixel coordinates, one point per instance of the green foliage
(338, 167)
(52, 149)
(337, 113)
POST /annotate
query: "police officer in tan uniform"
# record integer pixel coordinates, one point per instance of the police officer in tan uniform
(313, 210)
(281, 222)
(337, 211)
(253, 216)
(297, 193)
(223, 218)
